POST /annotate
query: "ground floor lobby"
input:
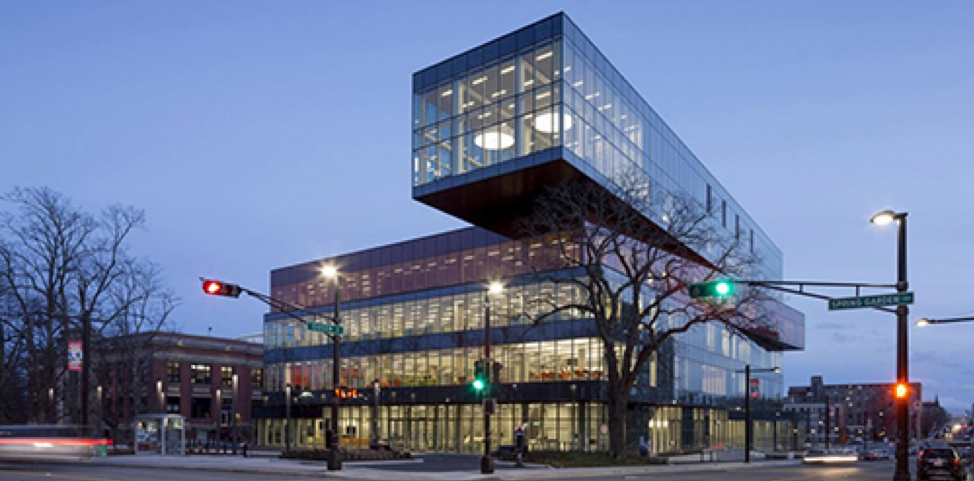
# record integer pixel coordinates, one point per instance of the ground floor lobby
(565, 426)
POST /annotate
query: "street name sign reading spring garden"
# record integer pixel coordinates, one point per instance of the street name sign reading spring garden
(331, 329)
(897, 299)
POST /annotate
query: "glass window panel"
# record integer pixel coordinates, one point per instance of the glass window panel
(445, 97)
(475, 89)
(507, 79)
(525, 130)
(525, 72)
(417, 110)
(492, 84)
(429, 107)
(544, 65)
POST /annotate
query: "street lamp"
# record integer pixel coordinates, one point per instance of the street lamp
(486, 462)
(334, 456)
(885, 217)
(924, 321)
(748, 434)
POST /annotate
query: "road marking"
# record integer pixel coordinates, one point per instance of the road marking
(64, 476)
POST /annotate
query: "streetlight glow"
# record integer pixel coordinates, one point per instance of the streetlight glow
(922, 322)
(883, 218)
(329, 271)
(496, 288)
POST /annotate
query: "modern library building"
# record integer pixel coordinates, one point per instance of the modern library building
(492, 127)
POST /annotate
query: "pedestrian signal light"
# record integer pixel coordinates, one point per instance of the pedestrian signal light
(901, 390)
(712, 289)
(217, 288)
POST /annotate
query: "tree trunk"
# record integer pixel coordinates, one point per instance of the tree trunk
(618, 404)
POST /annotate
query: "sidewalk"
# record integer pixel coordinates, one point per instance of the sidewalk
(365, 470)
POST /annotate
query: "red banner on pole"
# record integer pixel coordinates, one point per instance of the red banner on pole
(75, 356)
(755, 388)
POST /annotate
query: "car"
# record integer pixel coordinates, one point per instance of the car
(830, 456)
(940, 461)
(874, 455)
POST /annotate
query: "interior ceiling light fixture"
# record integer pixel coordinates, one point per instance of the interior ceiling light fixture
(548, 122)
(495, 139)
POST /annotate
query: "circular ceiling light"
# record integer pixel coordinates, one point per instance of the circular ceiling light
(495, 139)
(548, 122)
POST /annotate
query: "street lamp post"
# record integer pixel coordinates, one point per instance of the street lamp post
(334, 456)
(486, 462)
(376, 390)
(748, 429)
(902, 472)
(287, 419)
(234, 414)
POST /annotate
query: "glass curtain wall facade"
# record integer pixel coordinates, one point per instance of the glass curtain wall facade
(414, 312)
(420, 343)
(547, 86)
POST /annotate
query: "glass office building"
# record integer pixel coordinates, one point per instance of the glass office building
(491, 127)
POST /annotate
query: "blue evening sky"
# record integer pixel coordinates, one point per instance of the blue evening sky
(258, 135)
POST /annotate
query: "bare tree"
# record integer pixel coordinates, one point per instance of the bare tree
(629, 254)
(64, 270)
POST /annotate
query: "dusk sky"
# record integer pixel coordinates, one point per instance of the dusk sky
(258, 135)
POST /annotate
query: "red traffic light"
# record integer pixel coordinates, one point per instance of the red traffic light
(217, 288)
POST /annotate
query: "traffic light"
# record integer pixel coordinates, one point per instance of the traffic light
(217, 288)
(495, 376)
(901, 391)
(712, 289)
(479, 382)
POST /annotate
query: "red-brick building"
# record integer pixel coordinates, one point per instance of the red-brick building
(197, 377)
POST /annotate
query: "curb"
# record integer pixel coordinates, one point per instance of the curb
(637, 470)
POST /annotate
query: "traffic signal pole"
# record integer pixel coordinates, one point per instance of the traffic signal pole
(219, 288)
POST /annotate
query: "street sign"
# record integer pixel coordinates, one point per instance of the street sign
(331, 329)
(898, 299)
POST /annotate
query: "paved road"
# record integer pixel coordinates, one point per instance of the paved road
(88, 472)
(863, 471)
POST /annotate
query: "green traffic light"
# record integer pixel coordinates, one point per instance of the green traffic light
(478, 384)
(723, 288)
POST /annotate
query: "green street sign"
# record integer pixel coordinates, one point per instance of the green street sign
(898, 299)
(332, 329)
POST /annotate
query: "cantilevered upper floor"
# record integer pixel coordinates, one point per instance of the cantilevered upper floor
(494, 125)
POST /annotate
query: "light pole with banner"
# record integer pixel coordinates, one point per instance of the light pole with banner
(753, 391)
